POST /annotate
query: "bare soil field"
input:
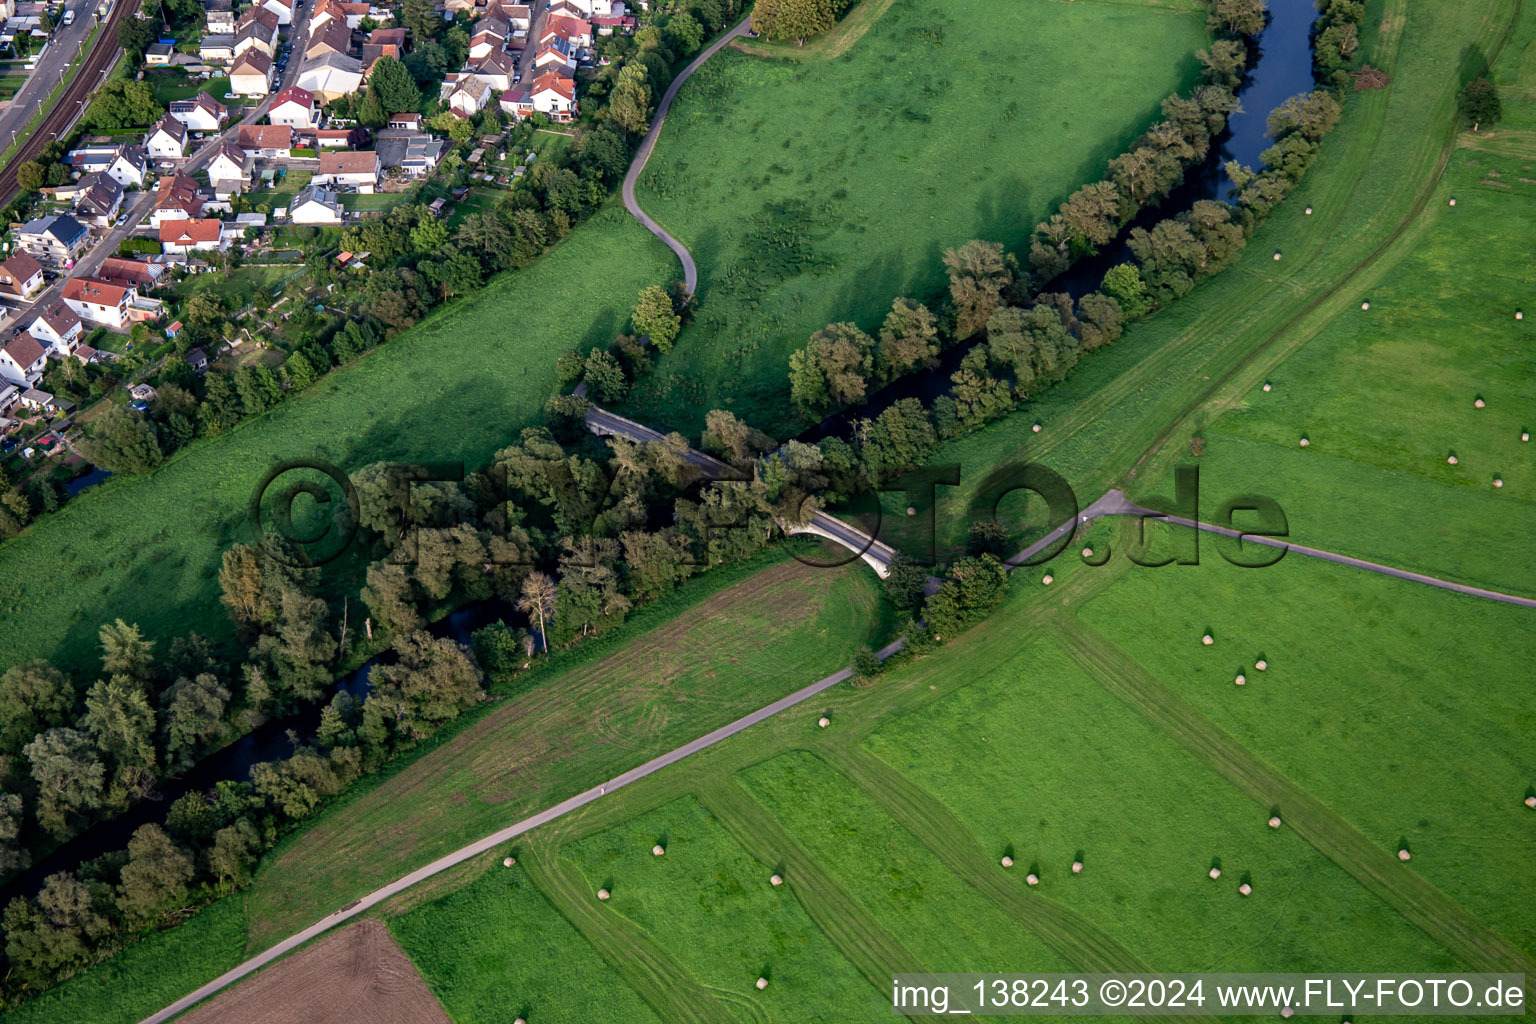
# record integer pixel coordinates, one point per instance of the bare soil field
(358, 974)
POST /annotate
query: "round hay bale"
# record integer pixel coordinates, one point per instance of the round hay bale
(1309, 211)
(1478, 404)
(1241, 679)
(823, 721)
(1047, 579)
(775, 880)
(1451, 459)
(762, 983)
(1403, 854)
(1530, 802)
(911, 511)
(1087, 552)
(1207, 639)
(1245, 889)
(1215, 872)
(1077, 867)
(658, 850)
(1261, 665)
(1032, 878)
(1519, 315)
(519, 1020)
(1037, 428)
(1498, 481)
(1525, 435)
(1007, 861)
(507, 862)
(1277, 257)
(1305, 443)
(1287, 1013)
(603, 894)
(1268, 386)
(1274, 821)
(1365, 305)
(1453, 202)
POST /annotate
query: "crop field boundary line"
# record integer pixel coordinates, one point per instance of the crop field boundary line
(1074, 939)
(1335, 837)
(649, 970)
(871, 949)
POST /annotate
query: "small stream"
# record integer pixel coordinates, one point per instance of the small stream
(1280, 66)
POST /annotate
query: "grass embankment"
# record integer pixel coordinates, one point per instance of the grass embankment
(460, 385)
(842, 192)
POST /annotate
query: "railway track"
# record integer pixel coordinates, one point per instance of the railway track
(57, 121)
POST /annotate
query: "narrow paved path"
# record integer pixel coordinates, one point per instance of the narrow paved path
(690, 271)
(505, 835)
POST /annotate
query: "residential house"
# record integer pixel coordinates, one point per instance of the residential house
(315, 205)
(334, 138)
(230, 170)
(53, 240)
(554, 96)
(177, 197)
(97, 301)
(251, 74)
(140, 275)
(283, 9)
(558, 54)
(256, 28)
(36, 399)
(58, 328)
(350, 171)
(166, 140)
(332, 37)
(100, 199)
(183, 236)
(126, 163)
(468, 96)
(158, 55)
(22, 360)
(201, 113)
(21, 277)
(331, 76)
(415, 154)
(451, 7)
(218, 47)
(575, 31)
(219, 15)
(490, 37)
(494, 69)
(267, 141)
(295, 108)
(350, 13)
(519, 17)
(390, 37)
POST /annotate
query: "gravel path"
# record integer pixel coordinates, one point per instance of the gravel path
(690, 270)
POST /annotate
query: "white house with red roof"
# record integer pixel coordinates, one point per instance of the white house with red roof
(573, 30)
(201, 113)
(295, 108)
(179, 237)
(282, 8)
(21, 277)
(57, 328)
(97, 301)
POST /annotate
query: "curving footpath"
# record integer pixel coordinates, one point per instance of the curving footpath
(690, 270)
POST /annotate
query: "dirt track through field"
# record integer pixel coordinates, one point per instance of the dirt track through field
(1375, 868)
(356, 975)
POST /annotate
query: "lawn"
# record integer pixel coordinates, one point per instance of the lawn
(1368, 703)
(673, 681)
(492, 367)
(241, 284)
(180, 87)
(709, 906)
(496, 948)
(375, 203)
(948, 121)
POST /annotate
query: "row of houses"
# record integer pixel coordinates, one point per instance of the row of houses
(562, 44)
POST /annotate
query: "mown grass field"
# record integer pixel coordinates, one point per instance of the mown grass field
(732, 652)
(947, 121)
(460, 385)
(497, 949)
